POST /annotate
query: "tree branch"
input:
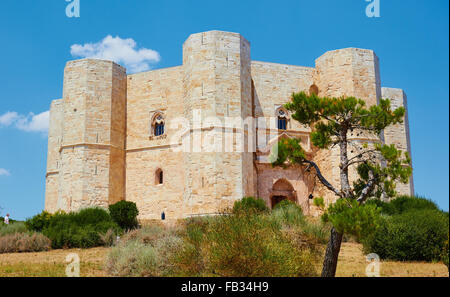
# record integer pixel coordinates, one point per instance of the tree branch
(322, 178)
(368, 188)
(363, 153)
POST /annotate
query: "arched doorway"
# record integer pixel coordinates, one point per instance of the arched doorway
(282, 190)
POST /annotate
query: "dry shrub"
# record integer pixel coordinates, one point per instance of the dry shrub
(144, 252)
(24, 242)
(244, 245)
(109, 238)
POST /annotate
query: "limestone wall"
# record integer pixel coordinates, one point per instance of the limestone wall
(158, 91)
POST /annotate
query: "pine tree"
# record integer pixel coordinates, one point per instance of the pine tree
(379, 166)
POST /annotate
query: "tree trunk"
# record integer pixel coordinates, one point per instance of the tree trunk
(331, 254)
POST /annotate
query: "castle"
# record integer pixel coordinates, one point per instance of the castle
(147, 137)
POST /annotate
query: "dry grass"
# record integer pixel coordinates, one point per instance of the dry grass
(351, 263)
(52, 263)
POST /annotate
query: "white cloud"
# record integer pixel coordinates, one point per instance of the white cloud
(8, 118)
(28, 123)
(4, 172)
(121, 51)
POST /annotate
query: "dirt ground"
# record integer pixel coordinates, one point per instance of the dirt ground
(352, 263)
(52, 263)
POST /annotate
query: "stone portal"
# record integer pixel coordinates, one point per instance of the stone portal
(282, 190)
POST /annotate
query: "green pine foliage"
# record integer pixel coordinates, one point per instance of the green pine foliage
(350, 217)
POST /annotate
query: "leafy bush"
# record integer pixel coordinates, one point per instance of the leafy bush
(124, 213)
(445, 255)
(80, 229)
(403, 204)
(415, 235)
(250, 205)
(319, 202)
(288, 213)
(38, 222)
(13, 228)
(145, 252)
(24, 242)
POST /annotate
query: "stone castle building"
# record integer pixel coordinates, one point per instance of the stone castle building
(117, 137)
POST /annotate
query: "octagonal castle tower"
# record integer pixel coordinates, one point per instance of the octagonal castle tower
(104, 146)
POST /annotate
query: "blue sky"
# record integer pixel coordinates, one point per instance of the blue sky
(409, 37)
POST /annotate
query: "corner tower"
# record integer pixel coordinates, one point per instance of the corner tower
(89, 149)
(217, 86)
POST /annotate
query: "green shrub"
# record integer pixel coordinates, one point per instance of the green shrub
(12, 228)
(243, 244)
(319, 202)
(250, 205)
(80, 229)
(415, 235)
(403, 204)
(445, 252)
(124, 213)
(253, 245)
(144, 252)
(288, 213)
(38, 222)
(192, 259)
(24, 242)
(316, 230)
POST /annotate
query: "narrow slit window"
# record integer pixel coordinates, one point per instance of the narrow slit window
(159, 177)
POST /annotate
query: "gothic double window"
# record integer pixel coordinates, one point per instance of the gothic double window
(282, 119)
(158, 125)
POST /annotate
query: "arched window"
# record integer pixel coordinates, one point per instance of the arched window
(159, 177)
(158, 125)
(313, 90)
(282, 119)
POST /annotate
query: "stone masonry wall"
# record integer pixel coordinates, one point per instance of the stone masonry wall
(159, 91)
